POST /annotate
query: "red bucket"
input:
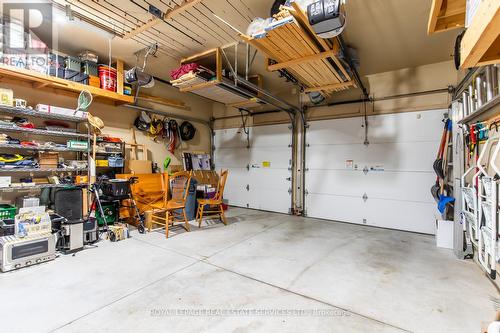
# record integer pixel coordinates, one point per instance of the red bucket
(107, 76)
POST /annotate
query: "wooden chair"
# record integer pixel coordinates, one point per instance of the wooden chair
(215, 202)
(173, 209)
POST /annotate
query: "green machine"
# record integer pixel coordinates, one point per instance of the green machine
(110, 210)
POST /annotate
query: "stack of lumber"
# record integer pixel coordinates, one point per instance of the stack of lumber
(295, 47)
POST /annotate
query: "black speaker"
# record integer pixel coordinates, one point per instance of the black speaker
(68, 202)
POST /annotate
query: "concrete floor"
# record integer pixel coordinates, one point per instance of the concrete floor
(344, 278)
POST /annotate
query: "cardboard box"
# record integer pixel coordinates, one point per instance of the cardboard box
(48, 160)
(139, 167)
(59, 110)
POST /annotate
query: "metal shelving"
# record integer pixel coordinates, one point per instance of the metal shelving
(40, 148)
(19, 170)
(36, 131)
(32, 113)
(35, 187)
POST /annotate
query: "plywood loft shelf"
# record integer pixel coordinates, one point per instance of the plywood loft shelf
(446, 15)
(481, 42)
(313, 61)
(43, 81)
(219, 88)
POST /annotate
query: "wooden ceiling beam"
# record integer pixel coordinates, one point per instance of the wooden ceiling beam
(167, 15)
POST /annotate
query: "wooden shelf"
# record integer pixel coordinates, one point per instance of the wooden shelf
(43, 81)
(446, 15)
(295, 47)
(481, 42)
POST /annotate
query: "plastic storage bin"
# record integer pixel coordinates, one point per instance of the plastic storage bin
(7, 211)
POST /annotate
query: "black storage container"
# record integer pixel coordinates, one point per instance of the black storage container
(56, 65)
(115, 188)
(76, 76)
(7, 227)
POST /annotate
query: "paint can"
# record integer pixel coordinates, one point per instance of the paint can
(107, 76)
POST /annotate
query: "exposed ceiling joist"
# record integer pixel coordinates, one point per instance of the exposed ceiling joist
(167, 15)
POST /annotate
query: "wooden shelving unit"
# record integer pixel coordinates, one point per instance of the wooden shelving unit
(313, 61)
(44, 81)
(481, 42)
(446, 15)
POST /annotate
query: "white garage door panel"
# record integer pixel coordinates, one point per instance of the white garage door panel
(401, 215)
(230, 138)
(235, 191)
(410, 186)
(279, 157)
(403, 145)
(406, 127)
(392, 156)
(273, 201)
(336, 208)
(391, 214)
(267, 182)
(272, 135)
(234, 158)
(344, 131)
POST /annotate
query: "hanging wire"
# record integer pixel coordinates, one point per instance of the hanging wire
(246, 130)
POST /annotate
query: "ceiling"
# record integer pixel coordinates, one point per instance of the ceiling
(388, 34)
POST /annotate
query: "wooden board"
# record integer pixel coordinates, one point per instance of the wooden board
(446, 15)
(44, 81)
(481, 42)
(296, 48)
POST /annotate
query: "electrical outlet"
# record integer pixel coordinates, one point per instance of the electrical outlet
(364, 221)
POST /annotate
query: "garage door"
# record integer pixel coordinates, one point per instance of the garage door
(386, 183)
(259, 176)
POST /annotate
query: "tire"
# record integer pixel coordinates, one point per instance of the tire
(112, 236)
(141, 229)
(493, 274)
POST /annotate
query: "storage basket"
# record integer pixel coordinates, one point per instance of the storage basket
(89, 68)
(73, 64)
(7, 211)
(116, 161)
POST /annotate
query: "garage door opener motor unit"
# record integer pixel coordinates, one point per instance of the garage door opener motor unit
(327, 17)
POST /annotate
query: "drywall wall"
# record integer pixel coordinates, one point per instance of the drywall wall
(119, 120)
(404, 81)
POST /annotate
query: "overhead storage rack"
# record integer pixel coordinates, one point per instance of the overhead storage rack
(218, 83)
(292, 44)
